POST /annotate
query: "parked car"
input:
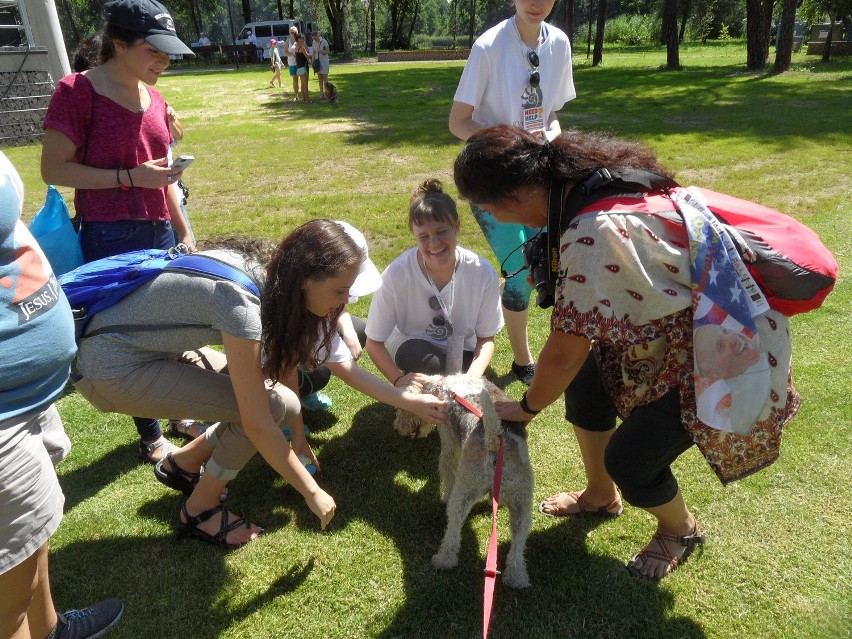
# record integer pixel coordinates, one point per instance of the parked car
(268, 29)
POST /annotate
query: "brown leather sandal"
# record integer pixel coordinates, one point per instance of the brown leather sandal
(661, 553)
(585, 507)
(184, 428)
(146, 451)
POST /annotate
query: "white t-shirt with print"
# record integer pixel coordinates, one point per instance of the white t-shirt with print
(497, 72)
(401, 310)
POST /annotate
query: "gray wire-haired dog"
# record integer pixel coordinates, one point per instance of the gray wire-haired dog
(468, 454)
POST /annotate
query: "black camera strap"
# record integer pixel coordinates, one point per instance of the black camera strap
(555, 213)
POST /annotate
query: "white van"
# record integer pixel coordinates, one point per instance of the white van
(278, 29)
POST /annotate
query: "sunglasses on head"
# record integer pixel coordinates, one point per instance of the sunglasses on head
(535, 78)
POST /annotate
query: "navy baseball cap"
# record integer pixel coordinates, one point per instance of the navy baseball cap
(151, 20)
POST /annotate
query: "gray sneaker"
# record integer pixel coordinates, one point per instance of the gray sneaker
(88, 623)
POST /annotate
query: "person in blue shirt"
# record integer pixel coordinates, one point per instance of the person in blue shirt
(37, 333)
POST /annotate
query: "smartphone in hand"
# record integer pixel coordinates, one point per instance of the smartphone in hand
(181, 162)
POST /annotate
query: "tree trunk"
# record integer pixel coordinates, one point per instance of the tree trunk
(471, 24)
(246, 11)
(346, 30)
(784, 45)
(454, 20)
(280, 10)
(373, 26)
(589, 30)
(597, 56)
(193, 17)
(670, 35)
(394, 25)
(292, 10)
(333, 12)
(75, 34)
(757, 36)
(768, 6)
(687, 7)
(413, 20)
(568, 19)
(826, 55)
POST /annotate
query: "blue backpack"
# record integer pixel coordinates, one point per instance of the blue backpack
(98, 285)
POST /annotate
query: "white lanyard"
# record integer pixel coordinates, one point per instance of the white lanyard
(532, 99)
(435, 290)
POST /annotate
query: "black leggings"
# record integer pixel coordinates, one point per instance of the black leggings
(317, 379)
(422, 356)
(640, 453)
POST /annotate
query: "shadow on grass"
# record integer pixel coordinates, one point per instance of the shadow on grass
(193, 570)
(410, 105)
(568, 583)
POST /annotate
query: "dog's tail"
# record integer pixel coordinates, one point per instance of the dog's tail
(493, 425)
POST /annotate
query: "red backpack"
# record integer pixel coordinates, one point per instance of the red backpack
(788, 261)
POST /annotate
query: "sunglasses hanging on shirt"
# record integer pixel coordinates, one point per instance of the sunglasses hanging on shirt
(535, 77)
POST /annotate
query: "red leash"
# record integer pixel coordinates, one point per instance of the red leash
(491, 571)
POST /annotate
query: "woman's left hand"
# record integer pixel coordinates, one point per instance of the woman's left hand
(512, 411)
(189, 244)
(154, 174)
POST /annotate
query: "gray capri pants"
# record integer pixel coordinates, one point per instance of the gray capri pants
(31, 499)
(194, 385)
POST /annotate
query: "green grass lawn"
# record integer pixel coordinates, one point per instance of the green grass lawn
(779, 559)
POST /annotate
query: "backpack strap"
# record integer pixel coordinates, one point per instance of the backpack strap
(193, 263)
(217, 269)
(604, 183)
(600, 184)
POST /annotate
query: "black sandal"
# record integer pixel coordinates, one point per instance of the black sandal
(190, 527)
(689, 542)
(176, 477)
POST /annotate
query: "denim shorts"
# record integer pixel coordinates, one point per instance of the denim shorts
(104, 239)
(31, 499)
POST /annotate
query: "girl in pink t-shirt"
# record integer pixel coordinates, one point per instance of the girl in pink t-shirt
(107, 136)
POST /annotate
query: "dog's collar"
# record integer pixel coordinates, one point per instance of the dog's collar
(461, 400)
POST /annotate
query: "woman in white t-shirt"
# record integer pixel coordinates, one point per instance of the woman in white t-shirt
(434, 295)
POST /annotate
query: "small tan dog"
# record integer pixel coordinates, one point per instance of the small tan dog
(468, 454)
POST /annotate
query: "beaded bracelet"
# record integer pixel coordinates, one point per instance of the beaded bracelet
(526, 407)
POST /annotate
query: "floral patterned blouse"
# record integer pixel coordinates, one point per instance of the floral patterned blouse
(624, 283)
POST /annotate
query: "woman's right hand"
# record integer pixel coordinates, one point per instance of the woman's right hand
(322, 505)
(429, 408)
(154, 174)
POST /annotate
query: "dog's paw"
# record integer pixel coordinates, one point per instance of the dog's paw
(517, 578)
(444, 561)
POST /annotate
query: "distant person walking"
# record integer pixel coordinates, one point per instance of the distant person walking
(275, 59)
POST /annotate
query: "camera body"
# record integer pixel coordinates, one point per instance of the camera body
(542, 269)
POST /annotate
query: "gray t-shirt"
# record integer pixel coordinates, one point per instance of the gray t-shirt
(185, 311)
